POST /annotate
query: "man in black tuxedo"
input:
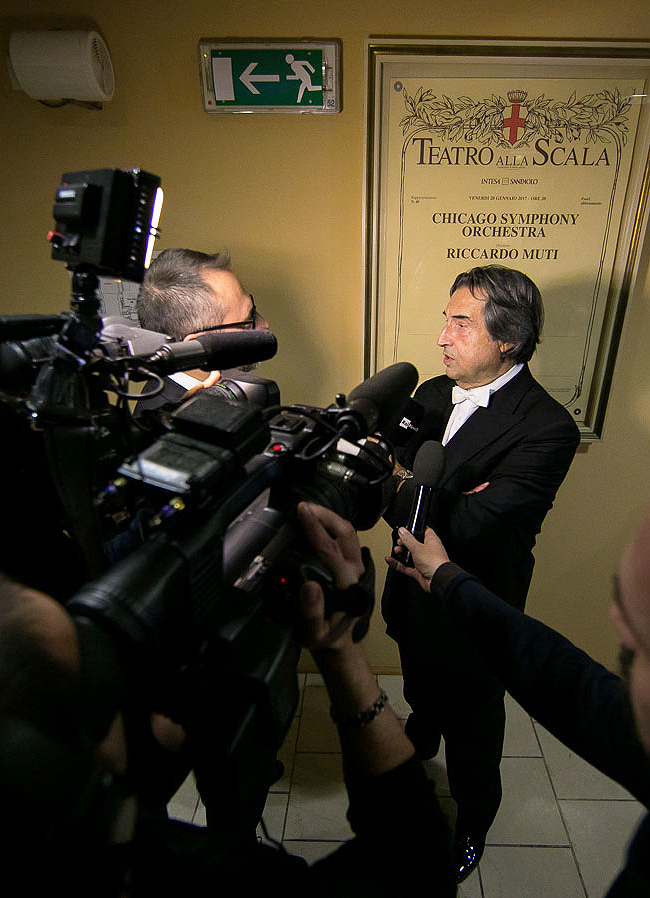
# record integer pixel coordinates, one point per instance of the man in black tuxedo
(508, 446)
(186, 293)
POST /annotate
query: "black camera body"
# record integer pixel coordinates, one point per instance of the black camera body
(175, 539)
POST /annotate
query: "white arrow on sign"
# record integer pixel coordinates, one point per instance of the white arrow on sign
(247, 78)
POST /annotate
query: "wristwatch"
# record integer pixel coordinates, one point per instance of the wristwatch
(401, 475)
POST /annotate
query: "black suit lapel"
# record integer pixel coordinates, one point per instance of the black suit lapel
(487, 424)
(440, 407)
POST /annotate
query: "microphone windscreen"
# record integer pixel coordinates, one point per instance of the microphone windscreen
(429, 463)
(232, 349)
(387, 389)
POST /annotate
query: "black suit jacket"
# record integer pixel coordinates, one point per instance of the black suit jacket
(522, 444)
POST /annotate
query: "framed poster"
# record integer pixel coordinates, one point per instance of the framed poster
(532, 155)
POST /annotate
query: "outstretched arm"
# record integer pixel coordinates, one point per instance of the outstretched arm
(393, 807)
(582, 703)
(368, 748)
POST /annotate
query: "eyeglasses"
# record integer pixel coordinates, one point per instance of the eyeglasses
(248, 324)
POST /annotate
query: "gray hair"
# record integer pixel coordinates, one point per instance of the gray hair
(513, 311)
(174, 299)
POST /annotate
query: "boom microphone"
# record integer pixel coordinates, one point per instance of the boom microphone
(375, 400)
(427, 470)
(209, 352)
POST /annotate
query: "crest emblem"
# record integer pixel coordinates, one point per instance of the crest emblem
(514, 116)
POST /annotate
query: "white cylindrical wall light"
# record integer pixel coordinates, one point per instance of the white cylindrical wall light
(62, 65)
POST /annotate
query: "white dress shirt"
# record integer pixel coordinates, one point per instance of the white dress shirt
(467, 401)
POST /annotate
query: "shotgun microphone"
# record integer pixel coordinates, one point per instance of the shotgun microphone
(372, 403)
(229, 349)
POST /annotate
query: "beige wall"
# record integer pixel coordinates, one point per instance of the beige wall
(285, 195)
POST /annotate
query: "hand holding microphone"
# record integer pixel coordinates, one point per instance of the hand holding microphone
(427, 470)
(427, 556)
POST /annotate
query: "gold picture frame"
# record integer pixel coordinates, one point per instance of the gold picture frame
(530, 154)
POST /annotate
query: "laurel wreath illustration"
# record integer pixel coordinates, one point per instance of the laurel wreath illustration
(598, 117)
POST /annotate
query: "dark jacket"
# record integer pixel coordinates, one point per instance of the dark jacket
(401, 840)
(522, 444)
(582, 703)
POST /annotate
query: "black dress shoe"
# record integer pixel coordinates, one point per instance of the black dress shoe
(426, 744)
(468, 851)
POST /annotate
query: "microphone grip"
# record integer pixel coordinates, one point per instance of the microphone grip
(172, 357)
(417, 521)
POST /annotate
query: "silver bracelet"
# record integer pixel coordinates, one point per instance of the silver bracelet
(362, 718)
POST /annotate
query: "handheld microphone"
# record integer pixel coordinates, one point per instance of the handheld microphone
(427, 470)
(209, 352)
(374, 400)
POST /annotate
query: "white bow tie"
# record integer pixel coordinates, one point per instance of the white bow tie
(478, 395)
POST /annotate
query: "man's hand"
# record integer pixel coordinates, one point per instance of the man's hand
(477, 489)
(352, 687)
(212, 378)
(427, 556)
(335, 541)
(316, 632)
(398, 472)
(336, 544)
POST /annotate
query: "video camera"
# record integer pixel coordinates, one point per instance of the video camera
(175, 541)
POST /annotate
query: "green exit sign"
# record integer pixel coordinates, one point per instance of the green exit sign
(269, 76)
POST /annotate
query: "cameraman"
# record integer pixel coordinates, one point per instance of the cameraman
(68, 796)
(186, 293)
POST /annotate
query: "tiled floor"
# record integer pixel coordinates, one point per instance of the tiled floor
(562, 828)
